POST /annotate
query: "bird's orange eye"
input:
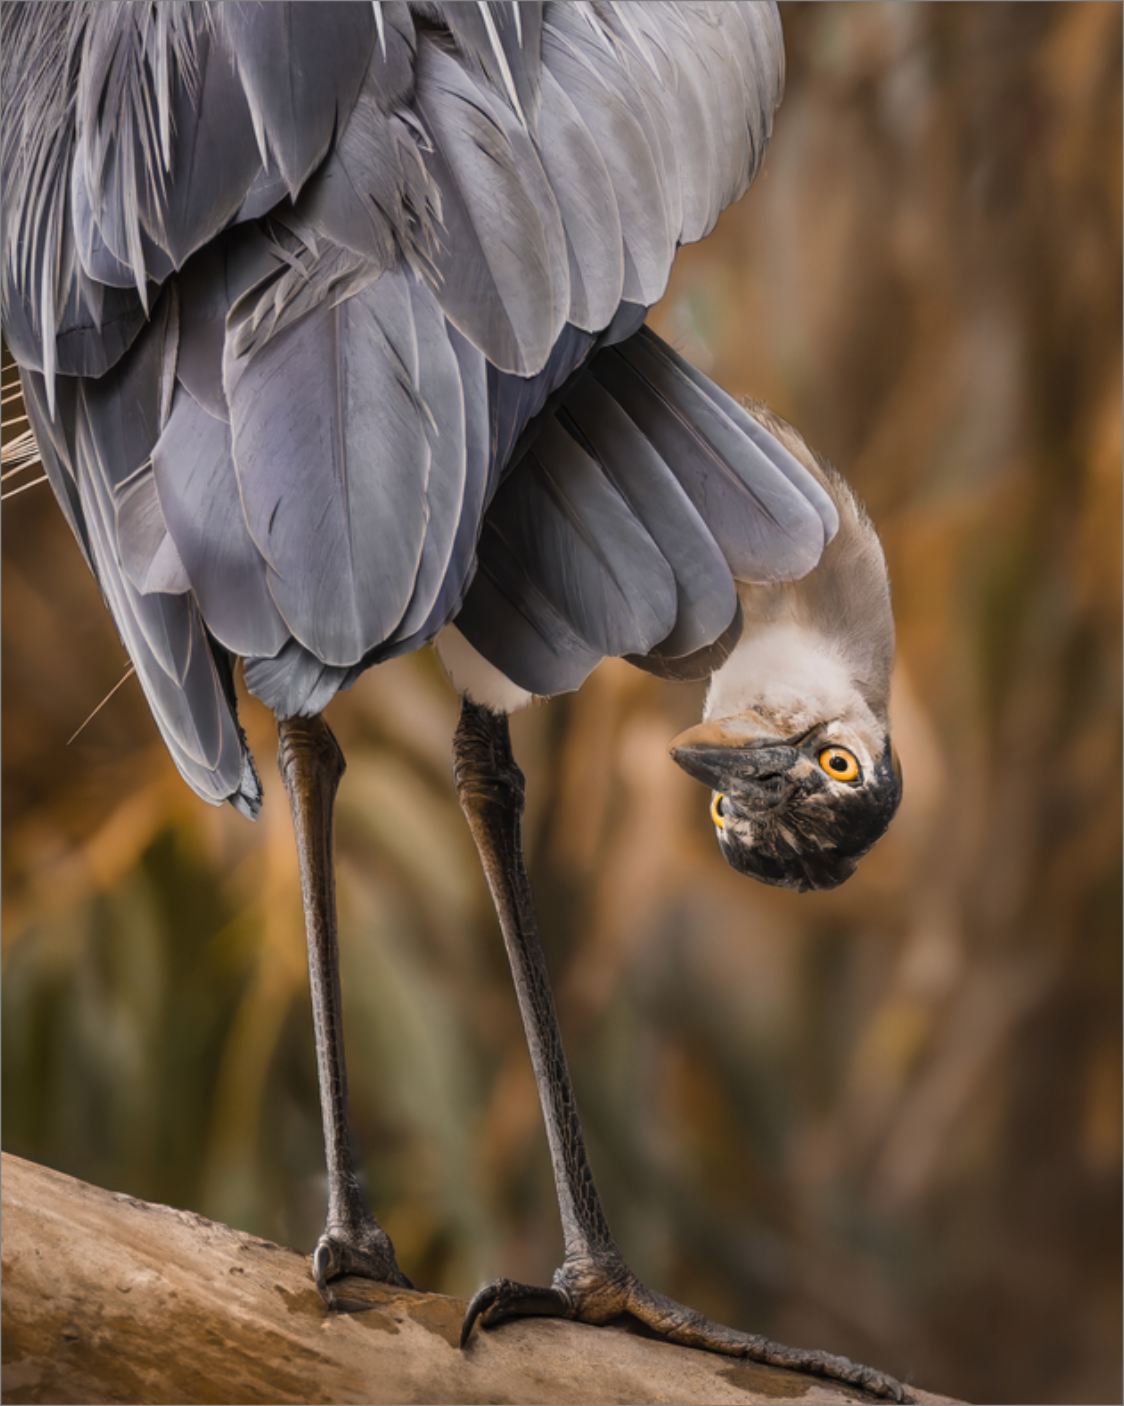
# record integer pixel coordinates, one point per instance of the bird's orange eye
(840, 763)
(716, 811)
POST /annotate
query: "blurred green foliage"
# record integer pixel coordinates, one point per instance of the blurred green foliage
(884, 1120)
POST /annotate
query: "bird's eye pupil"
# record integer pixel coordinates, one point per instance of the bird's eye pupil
(839, 762)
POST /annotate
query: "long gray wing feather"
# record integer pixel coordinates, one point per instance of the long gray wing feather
(295, 681)
(720, 417)
(439, 393)
(56, 448)
(706, 599)
(746, 424)
(333, 456)
(479, 464)
(585, 69)
(113, 425)
(197, 492)
(300, 67)
(564, 547)
(502, 275)
(583, 189)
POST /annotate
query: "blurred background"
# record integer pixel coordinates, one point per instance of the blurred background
(884, 1120)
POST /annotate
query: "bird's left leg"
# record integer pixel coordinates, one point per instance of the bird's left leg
(353, 1242)
(593, 1284)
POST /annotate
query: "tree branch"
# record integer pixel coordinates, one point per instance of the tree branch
(110, 1299)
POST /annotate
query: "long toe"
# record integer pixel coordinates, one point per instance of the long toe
(679, 1324)
(598, 1294)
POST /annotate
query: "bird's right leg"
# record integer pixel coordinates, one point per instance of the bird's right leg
(353, 1242)
(593, 1284)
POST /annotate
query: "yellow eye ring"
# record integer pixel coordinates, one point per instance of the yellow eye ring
(715, 813)
(839, 763)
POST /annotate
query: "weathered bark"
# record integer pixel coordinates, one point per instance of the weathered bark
(110, 1299)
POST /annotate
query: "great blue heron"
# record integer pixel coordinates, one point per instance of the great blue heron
(329, 321)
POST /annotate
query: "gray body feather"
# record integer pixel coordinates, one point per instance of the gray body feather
(329, 323)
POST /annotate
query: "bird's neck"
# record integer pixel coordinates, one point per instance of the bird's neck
(820, 647)
(792, 674)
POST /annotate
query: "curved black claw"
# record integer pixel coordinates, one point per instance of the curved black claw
(504, 1298)
(364, 1250)
(597, 1294)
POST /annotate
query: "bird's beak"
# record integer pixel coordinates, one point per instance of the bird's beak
(739, 747)
(708, 750)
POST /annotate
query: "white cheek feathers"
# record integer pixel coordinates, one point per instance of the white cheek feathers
(787, 660)
(791, 678)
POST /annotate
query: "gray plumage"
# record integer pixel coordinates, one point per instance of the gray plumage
(330, 325)
(630, 514)
(288, 284)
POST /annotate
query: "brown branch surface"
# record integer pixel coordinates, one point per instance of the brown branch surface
(110, 1299)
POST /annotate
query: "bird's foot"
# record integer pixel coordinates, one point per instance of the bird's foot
(604, 1289)
(360, 1247)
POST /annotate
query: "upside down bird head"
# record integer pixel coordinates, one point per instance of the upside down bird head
(799, 811)
(795, 742)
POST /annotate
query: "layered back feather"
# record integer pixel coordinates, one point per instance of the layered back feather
(328, 318)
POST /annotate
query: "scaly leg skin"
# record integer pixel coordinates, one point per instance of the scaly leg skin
(593, 1284)
(353, 1242)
